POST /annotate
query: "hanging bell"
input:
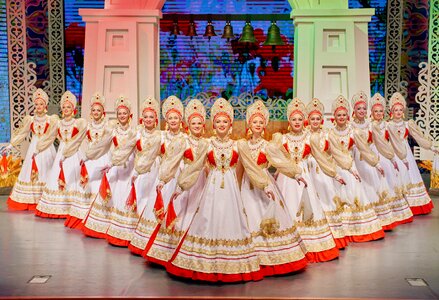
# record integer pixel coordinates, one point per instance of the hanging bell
(192, 31)
(210, 30)
(175, 29)
(273, 37)
(228, 32)
(248, 36)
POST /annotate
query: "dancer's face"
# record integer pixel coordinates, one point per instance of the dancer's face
(315, 121)
(398, 112)
(123, 116)
(377, 112)
(257, 125)
(196, 126)
(341, 117)
(96, 112)
(222, 125)
(148, 119)
(296, 122)
(174, 121)
(40, 107)
(67, 109)
(360, 111)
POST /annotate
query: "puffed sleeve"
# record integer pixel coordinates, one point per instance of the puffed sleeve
(397, 142)
(325, 162)
(189, 175)
(145, 158)
(416, 132)
(363, 146)
(383, 146)
(171, 161)
(49, 137)
(343, 159)
(74, 143)
(279, 158)
(22, 132)
(122, 152)
(257, 176)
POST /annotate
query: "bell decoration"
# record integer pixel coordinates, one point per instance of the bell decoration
(248, 36)
(175, 29)
(210, 30)
(273, 37)
(228, 32)
(192, 31)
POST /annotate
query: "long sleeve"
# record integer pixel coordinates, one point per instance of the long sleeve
(75, 142)
(145, 158)
(343, 159)
(171, 161)
(279, 158)
(397, 142)
(189, 175)
(383, 146)
(47, 139)
(417, 134)
(363, 146)
(257, 176)
(325, 162)
(22, 132)
(121, 153)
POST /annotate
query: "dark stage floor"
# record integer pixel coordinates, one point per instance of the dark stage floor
(81, 266)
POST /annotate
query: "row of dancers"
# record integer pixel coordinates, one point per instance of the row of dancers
(208, 208)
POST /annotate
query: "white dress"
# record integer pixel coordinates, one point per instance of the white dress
(27, 191)
(218, 244)
(374, 184)
(304, 204)
(398, 202)
(416, 193)
(60, 193)
(359, 218)
(147, 220)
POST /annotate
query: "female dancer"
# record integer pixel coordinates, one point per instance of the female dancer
(39, 158)
(62, 187)
(323, 172)
(302, 200)
(394, 172)
(182, 205)
(362, 223)
(109, 217)
(153, 213)
(98, 142)
(275, 237)
(368, 163)
(417, 196)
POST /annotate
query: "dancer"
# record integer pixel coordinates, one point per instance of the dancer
(323, 172)
(183, 204)
(63, 183)
(39, 158)
(368, 163)
(109, 217)
(301, 199)
(417, 196)
(172, 111)
(98, 142)
(362, 223)
(218, 244)
(394, 172)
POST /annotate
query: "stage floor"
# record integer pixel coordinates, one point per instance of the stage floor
(81, 266)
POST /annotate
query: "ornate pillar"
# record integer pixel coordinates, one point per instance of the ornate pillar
(122, 52)
(331, 49)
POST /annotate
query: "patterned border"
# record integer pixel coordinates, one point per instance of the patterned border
(393, 47)
(56, 53)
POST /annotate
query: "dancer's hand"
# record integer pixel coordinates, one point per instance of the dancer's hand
(301, 179)
(340, 179)
(7, 149)
(61, 162)
(160, 186)
(106, 169)
(176, 194)
(133, 179)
